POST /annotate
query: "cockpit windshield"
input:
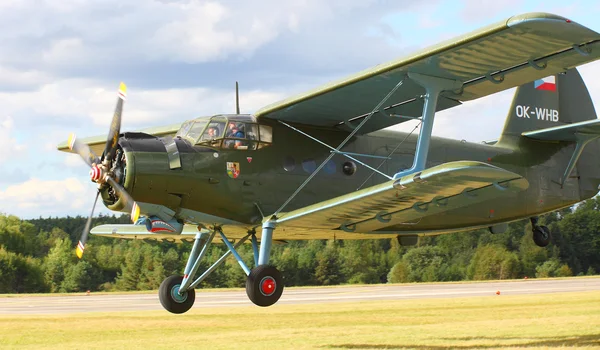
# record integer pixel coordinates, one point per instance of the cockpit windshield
(192, 129)
(185, 127)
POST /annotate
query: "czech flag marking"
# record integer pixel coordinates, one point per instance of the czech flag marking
(548, 83)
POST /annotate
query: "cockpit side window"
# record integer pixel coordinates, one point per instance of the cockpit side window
(240, 136)
(213, 133)
(266, 136)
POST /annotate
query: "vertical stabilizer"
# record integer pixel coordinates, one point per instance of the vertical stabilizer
(553, 101)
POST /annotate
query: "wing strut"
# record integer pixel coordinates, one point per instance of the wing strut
(337, 150)
(345, 154)
(433, 87)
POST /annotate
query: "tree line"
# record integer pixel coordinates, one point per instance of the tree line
(38, 256)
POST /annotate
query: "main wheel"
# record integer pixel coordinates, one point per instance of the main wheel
(171, 300)
(541, 236)
(264, 285)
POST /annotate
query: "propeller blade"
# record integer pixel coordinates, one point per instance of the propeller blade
(115, 125)
(83, 150)
(129, 202)
(86, 230)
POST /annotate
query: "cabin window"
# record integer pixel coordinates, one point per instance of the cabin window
(289, 163)
(309, 165)
(266, 134)
(330, 167)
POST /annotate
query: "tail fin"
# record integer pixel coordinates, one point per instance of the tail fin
(553, 101)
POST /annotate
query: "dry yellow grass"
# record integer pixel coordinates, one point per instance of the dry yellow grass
(530, 321)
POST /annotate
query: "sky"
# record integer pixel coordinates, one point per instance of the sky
(62, 60)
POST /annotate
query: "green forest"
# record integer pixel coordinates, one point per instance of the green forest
(38, 256)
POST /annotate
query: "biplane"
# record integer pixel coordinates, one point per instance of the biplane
(320, 166)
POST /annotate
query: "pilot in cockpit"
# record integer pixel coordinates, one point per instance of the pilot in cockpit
(235, 131)
(211, 133)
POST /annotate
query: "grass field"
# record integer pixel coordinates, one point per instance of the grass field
(531, 321)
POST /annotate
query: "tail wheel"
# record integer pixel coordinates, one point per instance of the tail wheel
(264, 285)
(541, 236)
(171, 299)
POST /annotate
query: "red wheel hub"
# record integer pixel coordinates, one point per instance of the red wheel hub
(268, 286)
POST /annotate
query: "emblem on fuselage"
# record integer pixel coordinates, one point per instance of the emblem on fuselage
(233, 169)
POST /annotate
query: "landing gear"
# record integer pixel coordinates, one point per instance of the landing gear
(264, 284)
(541, 234)
(172, 299)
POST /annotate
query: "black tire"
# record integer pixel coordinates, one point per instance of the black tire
(168, 294)
(541, 236)
(264, 286)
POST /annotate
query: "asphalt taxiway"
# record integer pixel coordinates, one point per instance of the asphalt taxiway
(11, 305)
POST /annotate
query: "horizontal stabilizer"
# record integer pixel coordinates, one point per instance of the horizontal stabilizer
(565, 132)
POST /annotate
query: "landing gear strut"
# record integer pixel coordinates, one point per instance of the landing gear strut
(541, 234)
(264, 284)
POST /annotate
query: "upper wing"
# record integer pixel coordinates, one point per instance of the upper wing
(432, 191)
(566, 132)
(510, 53)
(97, 143)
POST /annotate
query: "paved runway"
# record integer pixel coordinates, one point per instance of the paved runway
(138, 302)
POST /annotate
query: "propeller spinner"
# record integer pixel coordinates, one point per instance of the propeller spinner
(100, 168)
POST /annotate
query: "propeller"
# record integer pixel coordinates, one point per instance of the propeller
(86, 230)
(88, 156)
(100, 168)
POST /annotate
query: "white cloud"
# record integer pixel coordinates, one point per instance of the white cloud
(14, 78)
(37, 197)
(74, 161)
(481, 10)
(92, 103)
(9, 147)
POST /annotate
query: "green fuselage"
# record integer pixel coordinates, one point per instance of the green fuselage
(268, 176)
